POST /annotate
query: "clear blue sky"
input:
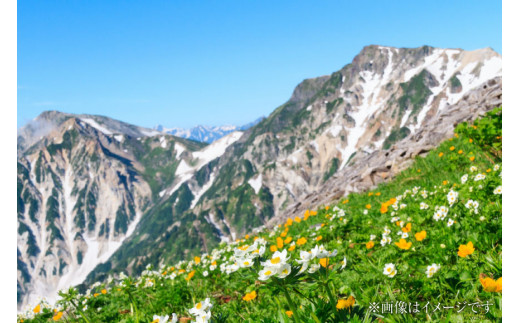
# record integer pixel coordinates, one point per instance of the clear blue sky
(183, 63)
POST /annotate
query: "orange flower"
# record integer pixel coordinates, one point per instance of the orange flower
(247, 236)
(452, 148)
(291, 248)
(368, 206)
(465, 250)
(279, 243)
(57, 316)
(327, 208)
(491, 285)
(460, 151)
(472, 158)
(345, 202)
(287, 240)
(197, 260)
(190, 275)
(103, 291)
(370, 193)
(301, 241)
(289, 313)
(289, 221)
(384, 208)
(37, 309)
(378, 193)
(297, 219)
(273, 248)
(407, 228)
(249, 296)
(283, 234)
(441, 154)
(318, 238)
(444, 182)
(324, 262)
(488, 170)
(345, 303)
(314, 213)
(402, 244)
(419, 236)
(370, 244)
(470, 140)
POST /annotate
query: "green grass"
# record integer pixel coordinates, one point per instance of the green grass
(346, 226)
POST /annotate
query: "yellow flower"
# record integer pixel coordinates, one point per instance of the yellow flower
(465, 250)
(283, 234)
(402, 244)
(287, 240)
(247, 236)
(444, 182)
(419, 236)
(472, 158)
(491, 285)
(370, 244)
(297, 219)
(327, 208)
(370, 193)
(37, 309)
(103, 291)
(197, 260)
(345, 202)
(368, 206)
(324, 262)
(460, 151)
(313, 213)
(289, 313)
(291, 248)
(488, 170)
(57, 316)
(273, 248)
(470, 140)
(441, 154)
(345, 303)
(318, 238)
(378, 193)
(96, 294)
(307, 213)
(289, 221)
(301, 241)
(249, 296)
(279, 243)
(407, 228)
(452, 148)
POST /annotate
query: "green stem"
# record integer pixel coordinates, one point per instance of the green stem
(291, 305)
(80, 311)
(332, 299)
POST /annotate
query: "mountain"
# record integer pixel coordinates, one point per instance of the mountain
(206, 134)
(150, 197)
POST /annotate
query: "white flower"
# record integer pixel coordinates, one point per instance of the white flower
(277, 260)
(498, 190)
(496, 167)
(430, 270)
(464, 178)
(390, 270)
(424, 206)
(266, 273)
(212, 267)
(174, 318)
(284, 271)
(395, 218)
(482, 218)
(372, 237)
(314, 268)
(472, 206)
(473, 169)
(203, 317)
(386, 231)
(343, 263)
(386, 240)
(205, 273)
(201, 308)
(247, 262)
(450, 222)
(160, 319)
(452, 197)
(402, 206)
(365, 212)
(479, 177)
(404, 235)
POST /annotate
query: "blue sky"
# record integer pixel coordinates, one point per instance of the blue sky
(183, 63)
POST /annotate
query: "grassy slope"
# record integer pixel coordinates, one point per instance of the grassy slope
(457, 281)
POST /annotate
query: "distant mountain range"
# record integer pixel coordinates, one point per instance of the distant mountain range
(98, 196)
(206, 134)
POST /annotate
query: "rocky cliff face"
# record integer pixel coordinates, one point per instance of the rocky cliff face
(337, 133)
